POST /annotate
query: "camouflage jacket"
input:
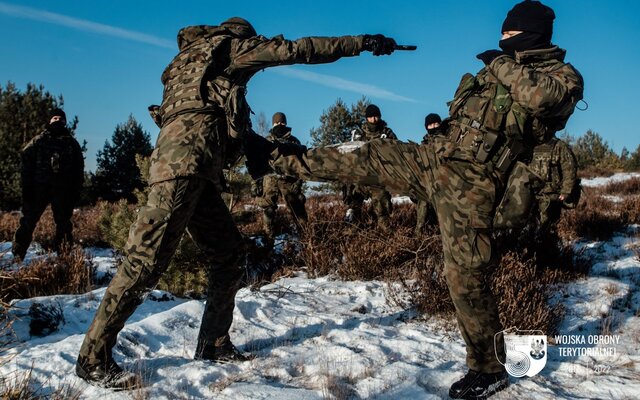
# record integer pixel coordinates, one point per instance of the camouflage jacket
(522, 100)
(369, 131)
(555, 163)
(286, 138)
(182, 150)
(52, 160)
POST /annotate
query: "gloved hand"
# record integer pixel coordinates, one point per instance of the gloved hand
(487, 56)
(378, 44)
(257, 150)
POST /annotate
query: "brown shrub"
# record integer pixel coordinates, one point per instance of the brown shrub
(85, 227)
(67, 273)
(626, 187)
(595, 217)
(594, 172)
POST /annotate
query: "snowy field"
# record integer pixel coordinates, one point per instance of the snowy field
(322, 339)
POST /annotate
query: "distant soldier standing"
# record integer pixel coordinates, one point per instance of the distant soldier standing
(524, 93)
(556, 165)
(424, 210)
(274, 186)
(354, 195)
(205, 125)
(52, 173)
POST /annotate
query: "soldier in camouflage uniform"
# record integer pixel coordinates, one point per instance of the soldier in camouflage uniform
(52, 173)
(524, 94)
(354, 195)
(274, 186)
(205, 123)
(424, 211)
(556, 165)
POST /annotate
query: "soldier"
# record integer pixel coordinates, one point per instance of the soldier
(523, 94)
(424, 210)
(354, 195)
(52, 173)
(274, 186)
(556, 165)
(205, 123)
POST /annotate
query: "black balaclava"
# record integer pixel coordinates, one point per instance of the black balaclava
(535, 20)
(430, 119)
(58, 127)
(280, 131)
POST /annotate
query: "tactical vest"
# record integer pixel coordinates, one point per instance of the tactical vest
(541, 160)
(184, 79)
(486, 122)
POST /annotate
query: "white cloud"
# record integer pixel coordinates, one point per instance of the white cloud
(343, 84)
(83, 25)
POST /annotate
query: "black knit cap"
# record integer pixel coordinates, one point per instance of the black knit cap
(279, 118)
(58, 113)
(530, 16)
(431, 118)
(372, 111)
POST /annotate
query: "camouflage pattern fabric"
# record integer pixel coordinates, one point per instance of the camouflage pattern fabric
(52, 173)
(555, 163)
(185, 176)
(543, 91)
(291, 190)
(173, 206)
(355, 195)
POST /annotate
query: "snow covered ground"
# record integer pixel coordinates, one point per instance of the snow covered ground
(322, 338)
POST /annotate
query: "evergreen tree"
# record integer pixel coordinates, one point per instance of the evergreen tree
(337, 122)
(117, 174)
(633, 163)
(592, 150)
(23, 115)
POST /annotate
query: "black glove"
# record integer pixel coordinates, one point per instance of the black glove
(378, 44)
(257, 150)
(489, 55)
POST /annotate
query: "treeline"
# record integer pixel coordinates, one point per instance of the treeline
(25, 114)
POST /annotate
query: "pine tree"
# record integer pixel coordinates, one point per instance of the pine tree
(338, 121)
(117, 174)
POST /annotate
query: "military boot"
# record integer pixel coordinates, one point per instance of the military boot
(478, 385)
(107, 375)
(222, 354)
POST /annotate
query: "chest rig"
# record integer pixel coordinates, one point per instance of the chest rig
(486, 123)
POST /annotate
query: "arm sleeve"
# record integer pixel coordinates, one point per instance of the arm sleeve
(258, 52)
(78, 167)
(28, 168)
(569, 168)
(542, 93)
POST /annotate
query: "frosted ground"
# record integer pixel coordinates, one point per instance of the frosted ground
(323, 338)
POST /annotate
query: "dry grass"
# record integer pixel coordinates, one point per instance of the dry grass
(68, 273)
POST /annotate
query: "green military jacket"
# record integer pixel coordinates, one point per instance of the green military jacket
(522, 100)
(52, 160)
(187, 140)
(369, 131)
(555, 163)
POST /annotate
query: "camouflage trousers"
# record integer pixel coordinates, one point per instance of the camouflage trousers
(62, 201)
(291, 190)
(424, 214)
(192, 204)
(463, 194)
(354, 196)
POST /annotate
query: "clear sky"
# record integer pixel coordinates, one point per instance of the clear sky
(106, 57)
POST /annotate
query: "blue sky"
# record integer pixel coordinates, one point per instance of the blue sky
(106, 57)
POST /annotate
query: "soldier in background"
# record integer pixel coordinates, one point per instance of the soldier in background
(52, 173)
(424, 211)
(205, 126)
(274, 186)
(524, 92)
(555, 163)
(354, 195)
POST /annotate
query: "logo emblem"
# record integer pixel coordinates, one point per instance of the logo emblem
(526, 352)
